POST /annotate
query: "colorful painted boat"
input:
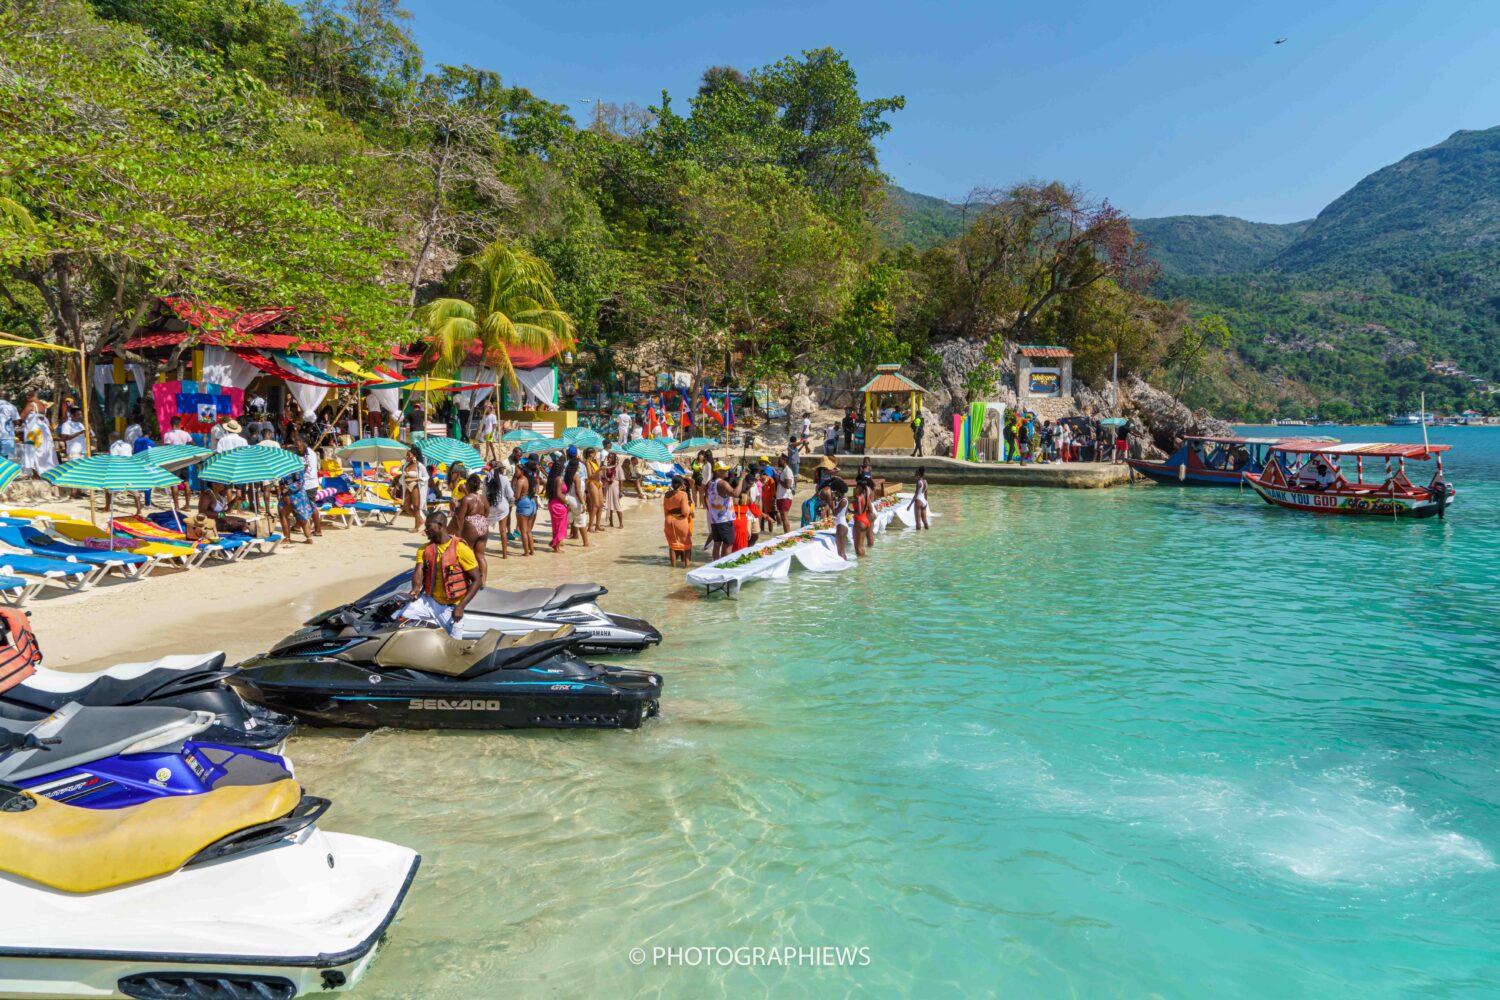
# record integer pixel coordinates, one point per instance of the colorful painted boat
(1306, 475)
(1210, 461)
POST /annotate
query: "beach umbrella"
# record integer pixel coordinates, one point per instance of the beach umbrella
(8, 472)
(583, 437)
(446, 451)
(109, 472)
(373, 450)
(695, 444)
(543, 444)
(648, 451)
(242, 466)
(521, 434)
(173, 456)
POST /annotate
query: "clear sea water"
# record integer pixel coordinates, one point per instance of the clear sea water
(1148, 741)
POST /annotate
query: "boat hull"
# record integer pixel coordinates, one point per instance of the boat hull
(1368, 504)
(1174, 475)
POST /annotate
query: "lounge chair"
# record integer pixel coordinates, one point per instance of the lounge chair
(363, 504)
(16, 591)
(100, 540)
(228, 549)
(170, 521)
(72, 574)
(23, 535)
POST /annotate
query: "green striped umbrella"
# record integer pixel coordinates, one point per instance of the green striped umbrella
(446, 451)
(543, 444)
(583, 437)
(173, 456)
(8, 472)
(373, 450)
(241, 466)
(695, 444)
(648, 451)
(109, 472)
(521, 434)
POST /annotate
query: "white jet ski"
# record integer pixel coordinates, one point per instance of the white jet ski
(520, 612)
(227, 895)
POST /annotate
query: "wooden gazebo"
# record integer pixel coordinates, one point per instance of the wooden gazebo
(890, 435)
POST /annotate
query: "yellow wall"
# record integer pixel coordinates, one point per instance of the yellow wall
(889, 436)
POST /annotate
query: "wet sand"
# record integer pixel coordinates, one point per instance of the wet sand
(244, 606)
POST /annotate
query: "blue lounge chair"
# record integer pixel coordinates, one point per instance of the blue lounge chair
(72, 574)
(362, 504)
(235, 541)
(15, 590)
(27, 538)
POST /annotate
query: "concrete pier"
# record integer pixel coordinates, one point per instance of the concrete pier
(951, 472)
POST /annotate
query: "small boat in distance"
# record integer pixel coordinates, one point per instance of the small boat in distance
(1211, 461)
(1305, 475)
(1409, 420)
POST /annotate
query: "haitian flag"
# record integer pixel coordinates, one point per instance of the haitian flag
(199, 404)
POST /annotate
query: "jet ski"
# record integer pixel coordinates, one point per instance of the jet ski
(517, 612)
(231, 894)
(362, 667)
(29, 692)
(106, 758)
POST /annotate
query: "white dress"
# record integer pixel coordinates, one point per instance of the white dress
(37, 453)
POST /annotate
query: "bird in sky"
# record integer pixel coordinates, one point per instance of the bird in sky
(1281, 41)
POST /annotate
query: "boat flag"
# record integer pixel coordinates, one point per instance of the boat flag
(728, 418)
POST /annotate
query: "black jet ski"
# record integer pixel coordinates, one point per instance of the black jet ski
(30, 692)
(518, 612)
(362, 667)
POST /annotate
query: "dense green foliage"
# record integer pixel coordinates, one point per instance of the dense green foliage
(255, 154)
(1201, 245)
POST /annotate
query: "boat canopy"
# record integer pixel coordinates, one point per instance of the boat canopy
(1256, 440)
(1311, 446)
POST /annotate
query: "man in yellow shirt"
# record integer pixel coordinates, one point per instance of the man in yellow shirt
(446, 578)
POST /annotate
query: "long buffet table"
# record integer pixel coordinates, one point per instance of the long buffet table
(814, 548)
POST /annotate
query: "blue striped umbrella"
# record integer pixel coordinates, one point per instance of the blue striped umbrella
(374, 450)
(521, 434)
(583, 437)
(109, 472)
(8, 472)
(695, 444)
(446, 451)
(543, 444)
(173, 456)
(648, 451)
(241, 466)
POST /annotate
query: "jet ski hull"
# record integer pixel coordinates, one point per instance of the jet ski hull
(328, 692)
(301, 916)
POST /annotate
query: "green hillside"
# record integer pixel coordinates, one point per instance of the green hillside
(1437, 201)
(1215, 244)
(919, 220)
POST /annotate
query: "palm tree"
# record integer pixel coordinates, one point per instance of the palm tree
(508, 303)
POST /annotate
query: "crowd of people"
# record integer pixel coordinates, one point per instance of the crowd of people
(1025, 439)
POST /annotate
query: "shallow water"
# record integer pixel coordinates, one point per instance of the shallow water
(1145, 741)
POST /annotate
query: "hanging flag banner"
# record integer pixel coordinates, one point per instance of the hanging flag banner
(199, 404)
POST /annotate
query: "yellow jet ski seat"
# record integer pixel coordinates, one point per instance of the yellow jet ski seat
(86, 850)
(434, 651)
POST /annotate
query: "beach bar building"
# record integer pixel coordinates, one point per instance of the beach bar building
(890, 390)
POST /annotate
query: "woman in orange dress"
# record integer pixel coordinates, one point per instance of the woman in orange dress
(677, 511)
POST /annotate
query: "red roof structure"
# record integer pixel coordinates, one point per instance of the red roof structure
(1043, 351)
(217, 326)
(520, 357)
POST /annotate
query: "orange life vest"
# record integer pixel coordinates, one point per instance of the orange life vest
(19, 653)
(455, 581)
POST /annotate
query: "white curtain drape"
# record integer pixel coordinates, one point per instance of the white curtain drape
(538, 384)
(309, 397)
(224, 367)
(105, 375)
(470, 399)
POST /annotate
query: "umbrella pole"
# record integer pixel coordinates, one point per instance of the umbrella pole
(93, 519)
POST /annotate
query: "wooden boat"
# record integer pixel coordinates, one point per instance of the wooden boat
(1305, 475)
(1211, 461)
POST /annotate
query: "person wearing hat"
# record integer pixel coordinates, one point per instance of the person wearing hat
(721, 497)
(231, 437)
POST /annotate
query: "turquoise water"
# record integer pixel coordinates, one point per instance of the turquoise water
(1140, 742)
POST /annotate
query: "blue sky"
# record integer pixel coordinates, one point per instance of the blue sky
(1165, 108)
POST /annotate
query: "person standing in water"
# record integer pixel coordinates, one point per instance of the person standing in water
(918, 504)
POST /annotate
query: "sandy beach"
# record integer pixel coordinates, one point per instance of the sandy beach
(245, 606)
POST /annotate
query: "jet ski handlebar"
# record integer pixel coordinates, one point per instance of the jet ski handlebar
(11, 742)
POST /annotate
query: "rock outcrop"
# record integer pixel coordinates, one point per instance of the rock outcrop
(1164, 418)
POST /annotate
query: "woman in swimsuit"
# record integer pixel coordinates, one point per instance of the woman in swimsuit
(499, 495)
(839, 504)
(525, 507)
(862, 521)
(593, 497)
(473, 518)
(918, 505)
